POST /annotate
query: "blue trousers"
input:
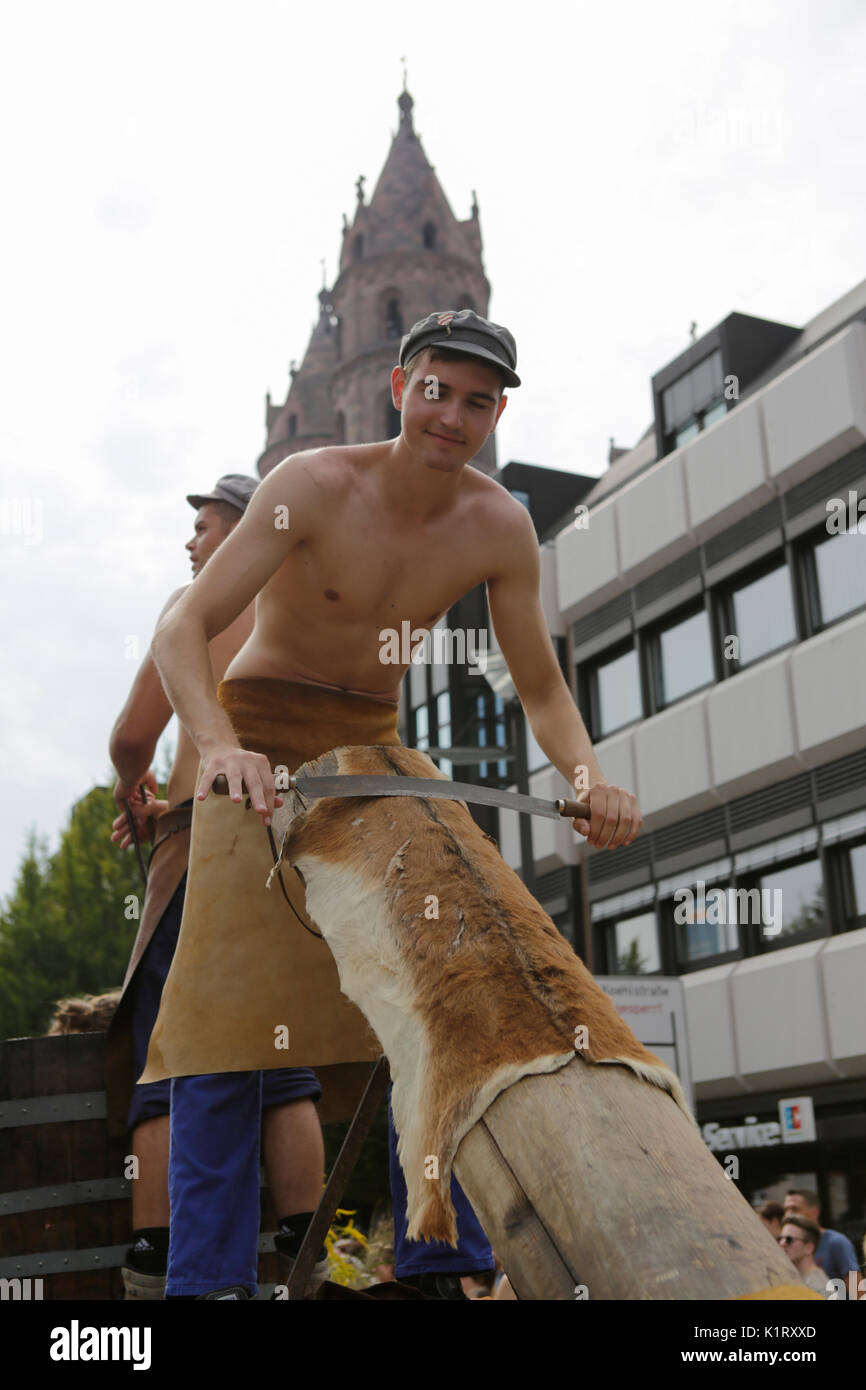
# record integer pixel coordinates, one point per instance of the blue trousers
(213, 1183)
(412, 1257)
(213, 1174)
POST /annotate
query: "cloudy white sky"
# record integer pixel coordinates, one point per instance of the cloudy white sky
(173, 174)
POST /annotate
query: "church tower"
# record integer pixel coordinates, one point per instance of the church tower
(403, 255)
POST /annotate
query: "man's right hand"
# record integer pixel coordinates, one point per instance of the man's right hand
(247, 774)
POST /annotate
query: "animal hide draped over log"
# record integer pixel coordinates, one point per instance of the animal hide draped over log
(464, 978)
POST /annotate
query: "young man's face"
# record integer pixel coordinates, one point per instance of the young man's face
(796, 1244)
(446, 432)
(795, 1205)
(210, 532)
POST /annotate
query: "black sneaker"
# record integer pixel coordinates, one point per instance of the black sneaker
(288, 1245)
(232, 1293)
(443, 1286)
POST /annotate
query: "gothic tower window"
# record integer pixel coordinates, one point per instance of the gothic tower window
(393, 319)
(340, 427)
(293, 426)
(429, 235)
(358, 247)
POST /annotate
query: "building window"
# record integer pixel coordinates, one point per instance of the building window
(614, 693)
(358, 248)
(293, 426)
(835, 578)
(782, 903)
(340, 427)
(491, 733)
(443, 730)
(714, 413)
(429, 235)
(393, 319)
(760, 613)
(687, 432)
(681, 658)
(422, 727)
(633, 945)
(465, 301)
(854, 886)
(704, 924)
(694, 401)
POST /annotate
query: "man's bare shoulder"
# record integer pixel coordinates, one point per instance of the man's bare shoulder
(334, 467)
(509, 545)
(499, 506)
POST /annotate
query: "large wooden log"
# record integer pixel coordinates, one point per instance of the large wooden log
(588, 1179)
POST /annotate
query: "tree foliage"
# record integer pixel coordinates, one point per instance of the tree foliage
(68, 926)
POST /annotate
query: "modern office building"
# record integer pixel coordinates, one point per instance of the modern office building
(714, 605)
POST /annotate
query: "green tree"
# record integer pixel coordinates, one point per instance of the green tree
(70, 921)
(631, 962)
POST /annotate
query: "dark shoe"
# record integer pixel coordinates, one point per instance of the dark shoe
(234, 1291)
(288, 1245)
(137, 1285)
(445, 1286)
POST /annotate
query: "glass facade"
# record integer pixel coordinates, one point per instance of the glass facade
(443, 725)
(840, 575)
(615, 694)
(792, 900)
(705, 925)
(715, 412)
(855, 891)
(633, 945)
(422, 727)
(694, 401)
(500, 767)
(763, 615)
(684, 658)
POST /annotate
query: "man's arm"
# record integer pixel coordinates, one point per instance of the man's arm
(229, 582)
(521, 631)
(141, 721)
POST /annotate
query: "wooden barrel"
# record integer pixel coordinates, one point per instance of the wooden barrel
(592, 1184)
(65, 1208)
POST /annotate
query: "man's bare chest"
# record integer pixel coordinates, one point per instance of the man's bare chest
(373, 579)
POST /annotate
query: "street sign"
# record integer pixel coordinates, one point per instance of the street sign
(654, 1009)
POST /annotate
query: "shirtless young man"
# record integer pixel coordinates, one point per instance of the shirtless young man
(294, 1163)
(378, 534)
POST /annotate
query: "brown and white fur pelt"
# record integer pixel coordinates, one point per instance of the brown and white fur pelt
(464, 1004)
(91, 1013)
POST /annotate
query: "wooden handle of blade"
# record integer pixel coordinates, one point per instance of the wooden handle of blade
(573, 810)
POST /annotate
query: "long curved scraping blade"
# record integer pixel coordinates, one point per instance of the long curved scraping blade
(369, 785)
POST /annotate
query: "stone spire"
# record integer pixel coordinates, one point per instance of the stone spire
(306, 418)
(403, 254)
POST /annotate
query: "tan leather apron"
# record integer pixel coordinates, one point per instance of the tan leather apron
(246, 978)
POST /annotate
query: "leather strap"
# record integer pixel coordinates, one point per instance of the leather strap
(170, 822)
